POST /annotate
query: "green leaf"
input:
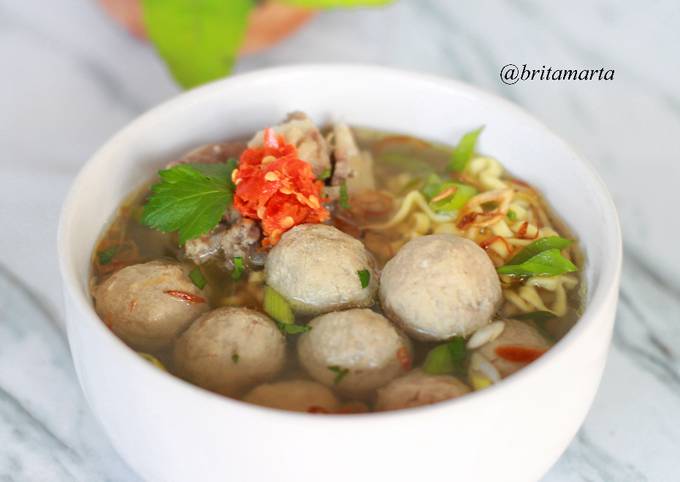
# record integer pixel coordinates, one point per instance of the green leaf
(344, 196)
(512, 215)
(364, 277)
(238, 268)
(106, 256)
(447, 358)
(197, 278)
(464, 150)
(335, 3)
(546, 263)
(235, 358)
(188, 199)
(538, 246)
(340, 373)
(198, 39)
(292, 328)
(277, 307)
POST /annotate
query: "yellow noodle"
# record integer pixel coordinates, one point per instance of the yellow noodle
(414, 198)
(501, 229)
(488, 171)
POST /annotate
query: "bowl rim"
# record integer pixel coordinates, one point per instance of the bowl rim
(601, 294)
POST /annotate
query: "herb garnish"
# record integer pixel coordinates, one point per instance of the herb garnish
(190, 199)
(364, 277)
(277, 306)
(292, 328)
(344, 196)
(447, 358)
(464, 150)
(538, 246)
(106, 256)
(197, 278)
(546, 263)
(235, 358)
(238, 268)
(325, 174)
(340, 373)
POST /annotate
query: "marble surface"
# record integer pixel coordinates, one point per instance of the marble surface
(70, 78)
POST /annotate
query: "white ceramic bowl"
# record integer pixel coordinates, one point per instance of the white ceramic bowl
(169, 430)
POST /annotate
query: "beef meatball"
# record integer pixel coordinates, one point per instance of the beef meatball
(419, 388)
(439, 286)
(317, 269)
(229, 349)
(354, 351)
(518, 345)
(295, 395)
(148, 304)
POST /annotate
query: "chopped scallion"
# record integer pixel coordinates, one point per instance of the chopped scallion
(239, 267)
(340, 373)
(277, 307)
(364, 277)
(546, 263)
(446, 358)
(292, 328)
(464, 150)
(197, 278)
(344, 196)
(538, 246)
(106, 256)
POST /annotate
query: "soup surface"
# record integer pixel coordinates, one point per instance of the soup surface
(337, 270)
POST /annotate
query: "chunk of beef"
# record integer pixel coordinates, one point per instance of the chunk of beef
(202, 249)
(351, 165)
(242, 239)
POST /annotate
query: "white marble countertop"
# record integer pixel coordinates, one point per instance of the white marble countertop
(70, 79)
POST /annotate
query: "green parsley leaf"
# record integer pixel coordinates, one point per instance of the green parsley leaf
(364, 277)
(292, 328)
(198, 39)
(106, 256)
(464, 150)
(344, 196)
(340, 373)
(197, 278)
(235, 358)
(190, 199)
(538, 246)
(277, 306)
(546, 263)
(239, 267)
(512, 215)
